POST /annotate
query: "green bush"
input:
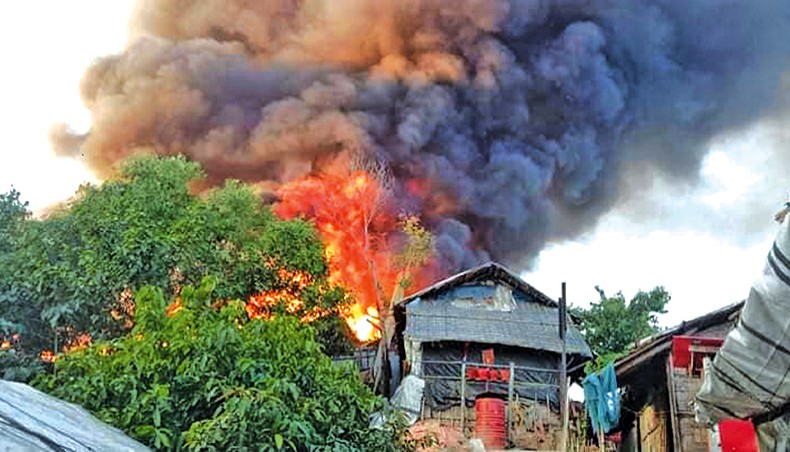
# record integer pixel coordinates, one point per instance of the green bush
(209, 378)
(71, 273)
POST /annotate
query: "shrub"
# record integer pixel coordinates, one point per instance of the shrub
(206, 377)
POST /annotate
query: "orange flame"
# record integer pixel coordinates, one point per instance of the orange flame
(174, 307)
(365, 324)
(48, 356)
(356, 219)
(353, 217)
(78, 343)
(262, 304)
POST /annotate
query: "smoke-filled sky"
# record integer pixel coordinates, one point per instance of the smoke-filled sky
(635, 145)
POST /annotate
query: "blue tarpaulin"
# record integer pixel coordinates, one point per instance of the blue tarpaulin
(601, 399)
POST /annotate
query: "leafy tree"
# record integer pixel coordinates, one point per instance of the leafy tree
(12, 213)
(415, 253)
(74, 272)
(611, 325)
(207, 377)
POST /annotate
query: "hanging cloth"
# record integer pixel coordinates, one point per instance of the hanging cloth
(601, 399)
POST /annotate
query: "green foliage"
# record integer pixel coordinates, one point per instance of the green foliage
(67, 274)
(209, 378)
(612, 325)
(12, 213)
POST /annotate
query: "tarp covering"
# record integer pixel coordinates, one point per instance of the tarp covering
(601, 399)
(750, 375)
(444, 360)
(407, 399)
(33, 421)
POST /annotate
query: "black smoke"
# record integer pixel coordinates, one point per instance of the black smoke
(523, 116)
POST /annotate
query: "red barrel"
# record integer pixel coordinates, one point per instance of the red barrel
(490, 422)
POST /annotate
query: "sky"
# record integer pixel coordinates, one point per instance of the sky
(705, 242)
(45, 46)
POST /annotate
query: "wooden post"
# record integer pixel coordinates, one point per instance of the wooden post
(463, 399)
(563, 374)
(509, 412)
(673, 415)
(601, 440)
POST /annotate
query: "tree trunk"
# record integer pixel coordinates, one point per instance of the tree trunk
(381, 366)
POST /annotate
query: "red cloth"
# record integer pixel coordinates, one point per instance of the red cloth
(737, 436)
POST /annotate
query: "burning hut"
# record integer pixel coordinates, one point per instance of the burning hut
(486, 333)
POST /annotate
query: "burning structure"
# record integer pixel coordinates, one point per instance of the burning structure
(485, 333)
(501, 124)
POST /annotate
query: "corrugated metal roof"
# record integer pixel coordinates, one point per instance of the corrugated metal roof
(463, 308)
(650, 347)
(529, 325)
(489, 271)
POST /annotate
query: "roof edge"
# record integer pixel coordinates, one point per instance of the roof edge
(479, 271)
(646, 345)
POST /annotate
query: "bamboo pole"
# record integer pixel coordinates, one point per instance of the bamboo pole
(563, 373)
(674, 422)
(463, 399)
(601, 440)
(510, 400)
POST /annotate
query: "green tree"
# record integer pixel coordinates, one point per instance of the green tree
(416, 251)
(12, 213)
(75, 271)
(207, 377)
(611, 325)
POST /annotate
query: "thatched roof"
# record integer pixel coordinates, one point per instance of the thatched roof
(489, 304)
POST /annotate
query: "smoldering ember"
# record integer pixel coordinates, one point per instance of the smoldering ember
(431, 149)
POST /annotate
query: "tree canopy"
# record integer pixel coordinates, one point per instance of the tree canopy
(12, 213)
(207, 377)
(74, 272)
(611, 324)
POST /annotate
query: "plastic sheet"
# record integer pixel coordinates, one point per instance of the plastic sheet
(407, 399)
(33, 421)
(441, 366)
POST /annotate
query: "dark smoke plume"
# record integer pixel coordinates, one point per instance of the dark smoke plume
(521, 117)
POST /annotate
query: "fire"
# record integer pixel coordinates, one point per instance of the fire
(174, 307)
(48, 356)
(78, 343)
(357, 220)
(365, 324)
(354, 219)
(262, 304)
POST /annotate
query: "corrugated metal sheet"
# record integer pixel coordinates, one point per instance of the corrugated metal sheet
(33, 421)
(489, 271)
(528, 324)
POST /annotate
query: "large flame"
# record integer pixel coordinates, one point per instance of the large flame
(262, 304)
(354, 216)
